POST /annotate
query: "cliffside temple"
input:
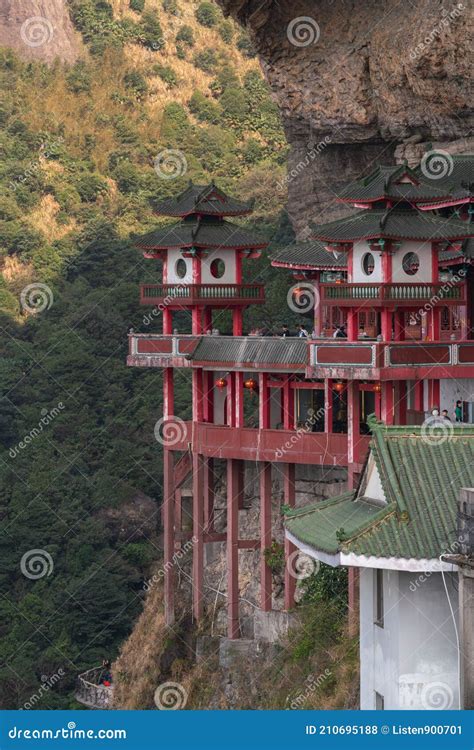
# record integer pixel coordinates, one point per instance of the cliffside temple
(391, 288)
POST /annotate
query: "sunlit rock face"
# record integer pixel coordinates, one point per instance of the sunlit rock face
(39, 30)
(355, 79)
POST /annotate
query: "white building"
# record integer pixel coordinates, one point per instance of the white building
(395, 528)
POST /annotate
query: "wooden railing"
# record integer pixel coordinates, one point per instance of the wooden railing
(189, 294)
(439, 293)
(90, 692)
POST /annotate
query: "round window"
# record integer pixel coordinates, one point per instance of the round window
(217, 268)
(181, 268)
(368, 264)
(410, 263)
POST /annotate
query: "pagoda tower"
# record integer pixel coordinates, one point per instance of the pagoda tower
(397, 272)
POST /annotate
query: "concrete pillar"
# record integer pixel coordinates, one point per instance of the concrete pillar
(168, 393)
(265, 534)
(233, 629)
(328, 405)
(208, 479)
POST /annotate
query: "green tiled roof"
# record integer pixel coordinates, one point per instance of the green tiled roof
(384, 183)
(308, 255)
(459, 178)
(394, 223)
(421, 479)
(207, 200)
(208, 233)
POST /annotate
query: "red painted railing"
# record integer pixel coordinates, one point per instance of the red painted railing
(285, 446)
(184, 295)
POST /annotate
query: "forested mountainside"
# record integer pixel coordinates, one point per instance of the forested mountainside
(85, 156)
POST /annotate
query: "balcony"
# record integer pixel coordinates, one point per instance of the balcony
(390, 360)
(186, 295)
(405, 295)
(285, 446)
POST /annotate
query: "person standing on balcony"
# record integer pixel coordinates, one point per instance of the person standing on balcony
(458, 411)
(340, 332)
(285, 332)
(302, 332)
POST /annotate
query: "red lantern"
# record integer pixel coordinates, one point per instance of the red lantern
(221, 383)
(339, 387)
(251, 384)
(377, 387)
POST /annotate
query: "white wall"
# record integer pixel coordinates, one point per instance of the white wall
(422, 249)
(173, 278)
(412, 660)
(230, 273)
(452, 389)
(360, 249)
(424, 273)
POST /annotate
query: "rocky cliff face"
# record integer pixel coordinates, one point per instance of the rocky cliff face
(355, 79)
(39, 29)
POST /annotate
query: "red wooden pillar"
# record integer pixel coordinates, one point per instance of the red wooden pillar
(378, 404)
(168, 393)
(207, 319)
(288, 405)
(198, 400)
(265, 534)
(434, 324)
(208, 396)
(178, 513)
(318, 309)
(198, 536)
(419, 396)
(387, 402)
(352, 325)
(237, 322)
(289, 499)
(168, 529)
(208, 480)
(434, 396)
(167, 322)
(402, 402)
(263, 401)
(328, 405)
(196, 321)
(353, 422)
(230, 401)
(239, 399)
(232, 549)
(386, 320)
(399, 325)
